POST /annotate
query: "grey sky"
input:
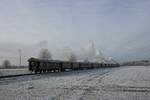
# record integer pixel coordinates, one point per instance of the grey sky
(119, 28)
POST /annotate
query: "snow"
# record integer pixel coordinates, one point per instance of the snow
(5, 72)
(138, 76)
(124, 83)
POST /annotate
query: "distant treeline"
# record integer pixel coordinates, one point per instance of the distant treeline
(137, 63)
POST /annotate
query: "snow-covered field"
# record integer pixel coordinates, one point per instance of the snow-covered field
(5, 72)
(124, 83)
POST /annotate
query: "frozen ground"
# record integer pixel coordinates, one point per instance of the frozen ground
(125, 83)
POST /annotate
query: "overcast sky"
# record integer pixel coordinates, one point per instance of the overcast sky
(119, 28)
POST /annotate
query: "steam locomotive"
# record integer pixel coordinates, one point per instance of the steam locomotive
(40, 65)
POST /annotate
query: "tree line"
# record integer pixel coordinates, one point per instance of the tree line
(46, 54)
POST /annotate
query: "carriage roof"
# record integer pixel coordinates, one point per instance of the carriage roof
(42, 60)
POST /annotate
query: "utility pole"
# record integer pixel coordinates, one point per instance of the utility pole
(20, 57)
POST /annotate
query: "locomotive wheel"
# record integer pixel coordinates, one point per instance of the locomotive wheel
(40, 71)
(35, 72)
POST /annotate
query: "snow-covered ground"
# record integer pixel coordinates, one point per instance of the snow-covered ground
(5, 72)
(124, 83)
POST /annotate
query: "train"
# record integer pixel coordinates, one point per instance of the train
(42, 65)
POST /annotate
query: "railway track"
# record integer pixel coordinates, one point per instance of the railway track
(17, 75)
(51, 73)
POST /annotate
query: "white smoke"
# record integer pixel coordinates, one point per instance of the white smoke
(91, 53)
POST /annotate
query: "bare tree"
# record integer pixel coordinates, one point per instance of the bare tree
(45, 54)
(72, 57)
(6, 64)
